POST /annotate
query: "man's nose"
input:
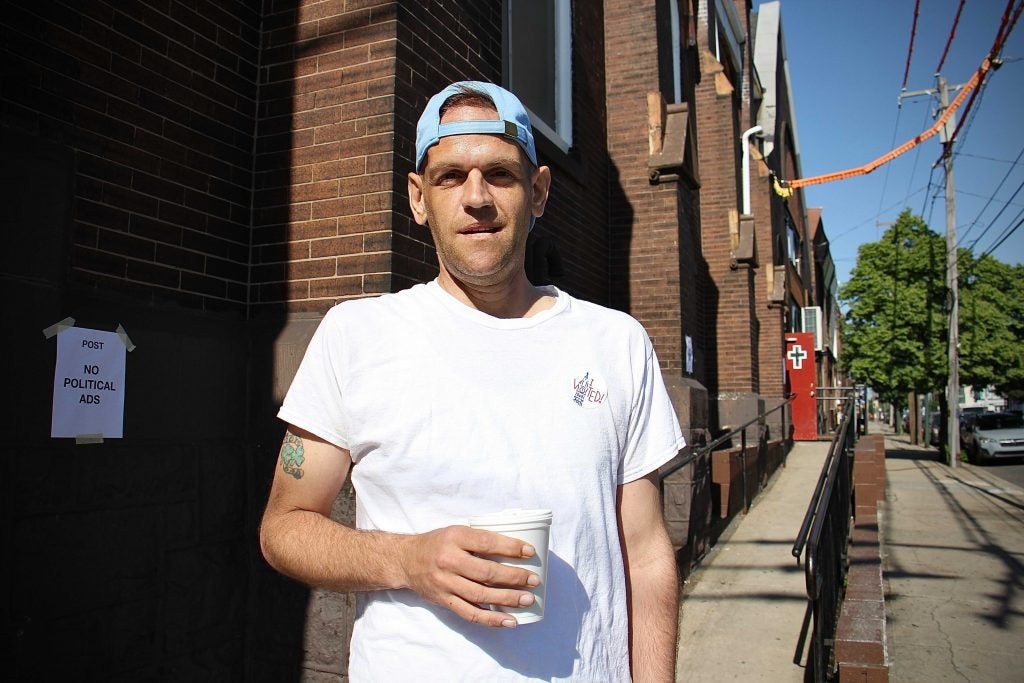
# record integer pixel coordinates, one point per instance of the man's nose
(476, 193)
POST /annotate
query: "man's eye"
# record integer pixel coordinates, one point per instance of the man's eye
(502, 175)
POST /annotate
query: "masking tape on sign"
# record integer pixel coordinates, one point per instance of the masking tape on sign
(57, 328)
(124, 338)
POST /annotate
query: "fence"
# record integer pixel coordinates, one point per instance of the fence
(727, 438)
(824, 540)
(708, 483)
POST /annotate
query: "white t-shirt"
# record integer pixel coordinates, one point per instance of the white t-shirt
(450, 413)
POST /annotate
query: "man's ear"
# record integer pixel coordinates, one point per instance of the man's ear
(416, 203)
(541, 185)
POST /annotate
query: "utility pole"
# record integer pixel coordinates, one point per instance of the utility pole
(952, 279)
(952, 285)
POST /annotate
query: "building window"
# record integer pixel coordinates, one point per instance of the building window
(538, 64)
(794, 322)
(794, 246)
(670, 63)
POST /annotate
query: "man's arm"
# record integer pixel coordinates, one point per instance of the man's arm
(299, 539)
(651, 581)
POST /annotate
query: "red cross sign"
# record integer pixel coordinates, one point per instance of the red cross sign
(803, 375)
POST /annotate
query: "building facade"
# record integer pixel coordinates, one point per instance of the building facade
(213, 177)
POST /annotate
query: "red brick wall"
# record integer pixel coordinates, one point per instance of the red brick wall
(722, 115)
(771, 345)
(333, 219)
(157, 105)
(438, 42)
(798, 286)
(644, 219)
(127, 132)
(324, 181)
(657, 270)
(770, 210)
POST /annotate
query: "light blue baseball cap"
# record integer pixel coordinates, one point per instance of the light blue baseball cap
(513, 122)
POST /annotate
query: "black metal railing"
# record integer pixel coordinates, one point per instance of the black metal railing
(715, 444)
(824, 540)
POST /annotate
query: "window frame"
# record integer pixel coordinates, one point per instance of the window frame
(729, 52)
(561, 133)
(670, 35)
(794, 245)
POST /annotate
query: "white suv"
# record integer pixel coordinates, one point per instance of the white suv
(996, 435)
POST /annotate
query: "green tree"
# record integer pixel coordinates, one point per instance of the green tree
(895, 327)
(991, 324)
(895, 332)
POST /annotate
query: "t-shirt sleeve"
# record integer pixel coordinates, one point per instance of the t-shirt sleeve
(654, 435)
(314, 399)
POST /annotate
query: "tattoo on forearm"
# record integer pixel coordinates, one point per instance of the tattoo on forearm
(292, 455)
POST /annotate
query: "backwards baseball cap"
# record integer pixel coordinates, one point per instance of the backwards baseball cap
(513, 122)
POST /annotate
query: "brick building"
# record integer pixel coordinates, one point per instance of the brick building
(213, 176)
(797, 284)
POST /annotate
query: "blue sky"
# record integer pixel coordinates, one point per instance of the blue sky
(847, 62)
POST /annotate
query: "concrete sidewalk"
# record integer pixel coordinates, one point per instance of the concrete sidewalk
(953, 560)
(743, 606)
(953, 563)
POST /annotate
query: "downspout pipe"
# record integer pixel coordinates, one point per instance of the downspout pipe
(746, 166)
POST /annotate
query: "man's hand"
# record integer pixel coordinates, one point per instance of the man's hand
(448, 567)
(444, 567)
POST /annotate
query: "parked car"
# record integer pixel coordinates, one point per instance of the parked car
(967, 420)
(995, 435)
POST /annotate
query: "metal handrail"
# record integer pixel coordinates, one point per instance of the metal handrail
(827, 468)
(827, 521)
(707, 448)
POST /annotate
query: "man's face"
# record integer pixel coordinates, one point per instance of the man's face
(478, 194)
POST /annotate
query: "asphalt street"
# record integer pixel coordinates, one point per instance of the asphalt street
(1010, 471)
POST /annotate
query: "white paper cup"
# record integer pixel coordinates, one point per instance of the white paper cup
(529, 526)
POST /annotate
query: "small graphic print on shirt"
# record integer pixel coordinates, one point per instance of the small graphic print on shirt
(589, 391)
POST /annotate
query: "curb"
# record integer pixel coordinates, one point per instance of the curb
(861, 651)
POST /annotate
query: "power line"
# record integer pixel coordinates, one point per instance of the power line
(971, 116)
(1007, 23)
(1002, 236)
(910, 48)
(1005, 28)
(917, 154)
(998, 244)
(877, 216)
(985, 158)
(993, 221)
(785, 188)
(888, 167)
(949, 41)
(948, 149)
(929, 199)
(978, 195)
(988, 203)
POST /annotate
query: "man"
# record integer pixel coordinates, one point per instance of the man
(471, 394)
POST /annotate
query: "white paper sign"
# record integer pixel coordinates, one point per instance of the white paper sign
(88, 384)
(689, 355)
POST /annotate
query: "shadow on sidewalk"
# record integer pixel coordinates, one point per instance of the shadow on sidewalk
(929, 455)
(899, 447)
(973, 500)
